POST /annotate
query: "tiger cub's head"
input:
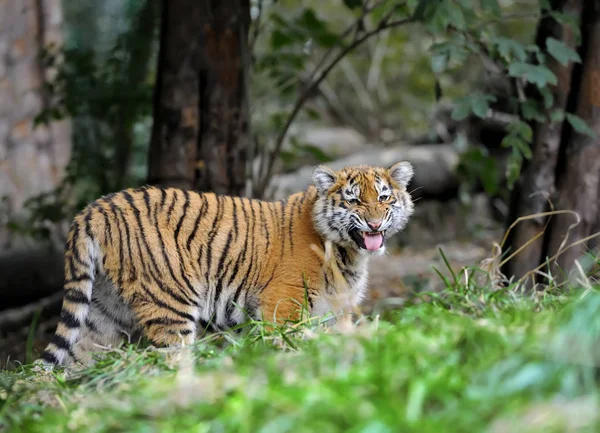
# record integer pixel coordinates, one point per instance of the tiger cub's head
(360, 206)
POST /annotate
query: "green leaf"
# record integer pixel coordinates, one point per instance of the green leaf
(280, 39)
(580, 126)
(537, 74)
(426, 9)
(510, 47)
(454, 49)
(509, 141)
(477, 103)
(455, 14)
(462, 109)
(524, 148)
(480, 104)
(439, 63)
(513, 167)
(489, 176)
(531, 111)
(353, 4)
(316, 28)
(561, 52)
(492, 6)
(521, 129)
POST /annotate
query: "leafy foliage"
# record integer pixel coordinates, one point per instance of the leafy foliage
(464, 31)
(107, 94)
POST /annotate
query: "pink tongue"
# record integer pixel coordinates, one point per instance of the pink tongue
(373, 242)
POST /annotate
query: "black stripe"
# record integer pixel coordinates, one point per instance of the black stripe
(222, 272)
(107, 225)
(343, 256)
(76, 297)
(163, 198)
(127, 242)
(60, 342)
(90, 325)
(273, 211)
(170, 211)
(166, 306)
(113, 209)
(211, 236)
(147, 201)
(50, 357)
(264, 224)
(234, 218)
(69, 320)
(236, 267)
(178, 248)
(144, 237)
(78, 278)
(136, 213)
(201, 214)
(291, 224)
(185, 300)
(74, 249)
(282, 228)
(87, 219)
(253, 265)
(186, 205)
(164, 321)
(244, 280)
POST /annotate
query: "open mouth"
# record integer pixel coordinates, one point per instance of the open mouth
(371, 241)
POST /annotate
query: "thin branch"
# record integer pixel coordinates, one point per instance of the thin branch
(383, 25)
(18, 317)
(352, 27)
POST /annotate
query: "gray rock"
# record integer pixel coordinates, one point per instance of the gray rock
(435, 169)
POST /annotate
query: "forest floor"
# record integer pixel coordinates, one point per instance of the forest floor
(469, 357)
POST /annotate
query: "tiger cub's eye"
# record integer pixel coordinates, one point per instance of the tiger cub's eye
(384, 197)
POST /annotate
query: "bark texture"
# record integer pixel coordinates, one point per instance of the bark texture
(565, 167)
(538, 182)
(32, 159)
(579, 177)
(200, 131)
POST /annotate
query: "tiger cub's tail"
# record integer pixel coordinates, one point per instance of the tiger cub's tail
(80, 272)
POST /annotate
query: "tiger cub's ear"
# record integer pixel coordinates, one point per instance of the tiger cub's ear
(323, 178)
(401, 173)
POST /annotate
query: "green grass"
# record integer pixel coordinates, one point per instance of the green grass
(466, 360)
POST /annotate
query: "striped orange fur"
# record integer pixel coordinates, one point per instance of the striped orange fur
(167, 262)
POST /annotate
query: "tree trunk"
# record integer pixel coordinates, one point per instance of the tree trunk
(200, 132)
(537, 184)
(32, 158)
(565, 167)
(579, 178)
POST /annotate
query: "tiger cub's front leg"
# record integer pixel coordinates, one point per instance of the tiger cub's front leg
(280, 302)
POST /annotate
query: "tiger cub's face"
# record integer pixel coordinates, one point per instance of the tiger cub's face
(360, 206)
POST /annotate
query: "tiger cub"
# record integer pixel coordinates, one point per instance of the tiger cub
(165, 262)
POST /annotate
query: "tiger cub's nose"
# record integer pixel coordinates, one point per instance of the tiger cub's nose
(374, 225)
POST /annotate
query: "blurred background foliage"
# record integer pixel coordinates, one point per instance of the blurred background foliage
(472, 58)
